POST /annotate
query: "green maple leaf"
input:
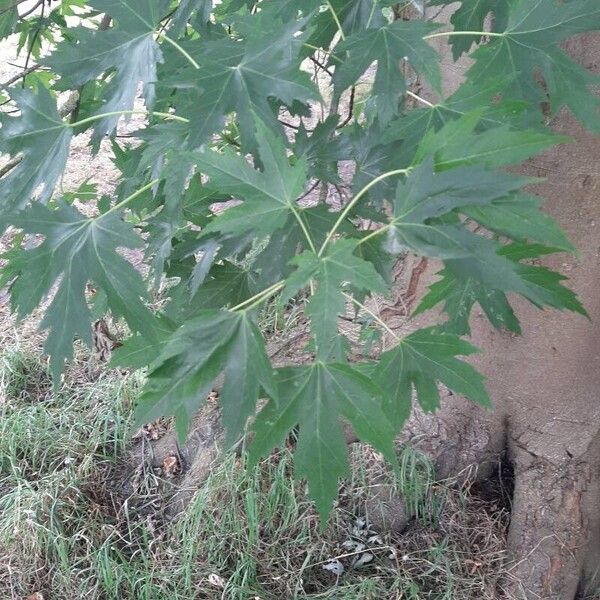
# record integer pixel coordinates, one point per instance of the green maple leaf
(424, 197)
(283, 245)
(196, 354)
(322, 149)
(225, 284)
(353, 15)
(336, 267)
(373, 157)
(520, 218)
(242, 77)
(529, 46)
(136, 352)
(289, 9)
(389, 45)
(471, 16)
(458, 143)
(314, 397)
(469, 99)
(129, 49)
(186, 8)
(426, 194)
(9, 17)
(76, 250)
(269, 196)
(459, 290)
(459, 297)
(43, 140)
(420, 361)
(423, 223)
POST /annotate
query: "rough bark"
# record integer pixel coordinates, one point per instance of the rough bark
(545, 387)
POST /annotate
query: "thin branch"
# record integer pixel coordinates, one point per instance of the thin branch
(310, 190)
(105, 23)
(230, 140)
(32, 9)
(10, 165)
(290, 125)
(23, 73)
(350, 109)
(321, 66)
(11, 7)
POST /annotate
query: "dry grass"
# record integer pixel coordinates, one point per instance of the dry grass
(65, 531)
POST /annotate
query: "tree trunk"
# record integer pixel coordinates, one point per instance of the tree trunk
(545, 387)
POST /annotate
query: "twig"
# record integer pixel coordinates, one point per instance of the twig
(10, 165)
(290, 125)
(23, 73)
(32, 9)
(230, 140)
(310, 190)
(350, 109)
(319, 64)
(11, 7)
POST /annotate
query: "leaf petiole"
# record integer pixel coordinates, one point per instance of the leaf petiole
(432, 36)
(336, 19)
(419, 99)
(130, 198)
(181, 50)
(370, 312)
(374, 234)
(115, 113)
(259, 298)
(307, 235)
(355, 200)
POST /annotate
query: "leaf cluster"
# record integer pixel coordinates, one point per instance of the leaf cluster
(236, 193)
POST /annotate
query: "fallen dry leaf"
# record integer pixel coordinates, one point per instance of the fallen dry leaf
(473, 566)
(170, 466)
(36, 596)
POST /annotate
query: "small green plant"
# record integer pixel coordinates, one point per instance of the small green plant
(233, 115)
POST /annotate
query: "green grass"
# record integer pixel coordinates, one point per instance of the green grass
(67, 531)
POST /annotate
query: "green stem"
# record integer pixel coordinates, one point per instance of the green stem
(127, 112)
(336, 19)
(372, 14)
(304, 229)
(374, 234)
(355, 200)
(419, 99)
(370, 312)
(180, 50)
(328, 52)
(432, 36)
(130, 198)
(259, 298)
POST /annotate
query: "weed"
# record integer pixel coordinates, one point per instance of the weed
(248, 533)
